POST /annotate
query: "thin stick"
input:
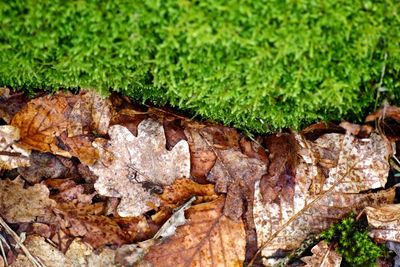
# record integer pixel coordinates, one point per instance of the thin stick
(9, 231)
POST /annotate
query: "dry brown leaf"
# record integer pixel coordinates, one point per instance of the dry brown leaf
(324, 255)
(235, 174)
(11, 102)
(207, 239)
(330, 174)
(19, 204)
(182, 189)
(43, 166)
(78, 254)
(43, 121)
(384, 222)
(140, 168)
(11, 154)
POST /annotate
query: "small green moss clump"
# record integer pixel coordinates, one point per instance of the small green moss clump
(354, 243)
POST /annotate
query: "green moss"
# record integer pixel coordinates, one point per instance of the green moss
(258, 65)
(354, 243)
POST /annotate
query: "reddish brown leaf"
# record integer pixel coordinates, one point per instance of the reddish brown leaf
(235, 174)
(129, 118)
(202, 157)
(182, 189)
(279, 183)
(44, 119)
(207, 239)
(174, 131)
(392, 112)
(10, 103)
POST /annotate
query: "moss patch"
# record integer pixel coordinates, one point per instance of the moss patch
(257, 65)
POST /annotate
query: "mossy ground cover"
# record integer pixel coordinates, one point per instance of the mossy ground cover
(257, 65)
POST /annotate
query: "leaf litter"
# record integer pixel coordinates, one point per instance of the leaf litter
(107, 177)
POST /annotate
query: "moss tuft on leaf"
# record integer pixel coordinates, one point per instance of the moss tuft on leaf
(354, 243)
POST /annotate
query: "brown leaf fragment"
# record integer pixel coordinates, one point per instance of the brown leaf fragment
(384, 222)
(11, 154)
(141, 167)
(10, 103)
(202, 157)
(235, 174)
(182, 189)
(316, 130)
(330, 175)
(19, 204)
(253, 150)
(324, 255)
(129, 118)
(207, 239)
(279, 181)
(44, 119)
(43, 166)
(392, 112)
(174, 131)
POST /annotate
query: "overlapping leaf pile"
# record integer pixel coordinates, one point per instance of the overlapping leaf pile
(100, 181)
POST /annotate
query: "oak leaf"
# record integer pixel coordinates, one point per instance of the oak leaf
(19, 204)
(208, 238)
(328, 181)
(324, 255)
(11, 154)
(140, 167)
(61, 123)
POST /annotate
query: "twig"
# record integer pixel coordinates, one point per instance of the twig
(3, 253)
(380, 81)
(9, 231)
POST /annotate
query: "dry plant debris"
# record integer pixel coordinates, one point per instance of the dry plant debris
(94, 181)
(324, 255)
(11, 155)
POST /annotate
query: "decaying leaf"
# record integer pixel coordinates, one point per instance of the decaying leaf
(43, 166)
(222, 162)
(140, 168)
(324, 255)
(131, 255)
(11, 155)
(19, 204)
(330, 175)
(11, 102)
(78, 254)
(182, 189)
(384, 222)
(57, 123)
(207, 239)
